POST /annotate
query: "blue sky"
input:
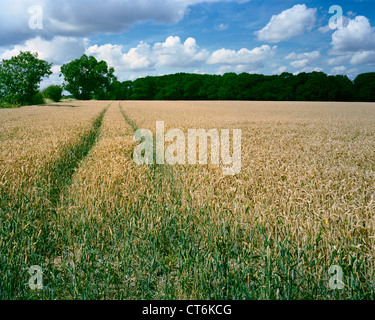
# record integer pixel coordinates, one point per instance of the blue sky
(156, 37)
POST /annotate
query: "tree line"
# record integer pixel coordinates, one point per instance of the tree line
(87, 78)
(315, 86)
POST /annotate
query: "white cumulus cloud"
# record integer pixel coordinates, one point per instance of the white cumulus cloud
(288, 24)
(363, 57)
(171, 53)
(85, 18)
(303, 60)
(357, 35)
(338, 70)
(175, 54)
(337, 60)
(136, 59)
(357, 40)
(242, 57)
(58, 50)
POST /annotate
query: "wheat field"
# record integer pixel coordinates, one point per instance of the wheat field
(74, 202)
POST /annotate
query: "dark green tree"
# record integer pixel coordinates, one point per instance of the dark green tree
(313, 86)
(229, 88)
(191, 89)
(144, 88)
(53, 92)
(86, 78)
(344, 88)
(364, 85)
(20, 77)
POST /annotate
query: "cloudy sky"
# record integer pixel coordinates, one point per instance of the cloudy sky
(156, 37)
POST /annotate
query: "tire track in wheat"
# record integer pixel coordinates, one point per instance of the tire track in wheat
(163, 176)
(55, 178)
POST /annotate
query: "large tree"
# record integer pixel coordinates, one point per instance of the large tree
(20, 77)
(87, 78)
(364, 86)
(53, 92)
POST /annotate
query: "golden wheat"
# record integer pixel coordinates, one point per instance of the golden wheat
(302, 202)
(32, 136)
